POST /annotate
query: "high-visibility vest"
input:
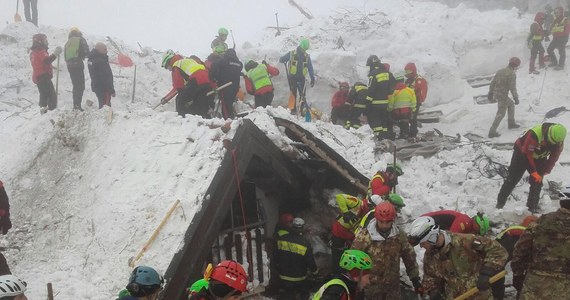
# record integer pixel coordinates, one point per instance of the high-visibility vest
(189, 67)
(559, 26)
(537, 37)
(385, 76)
(336, 281)
(259, 77)
(540, 138)
(293, 65)
(500, 235)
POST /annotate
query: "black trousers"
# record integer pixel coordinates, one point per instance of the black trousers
(354, 119)
(297, 88)
(536, 50)
(192, 99)
(264, 100)
(380, 122)
(519, 165)
(33, 6)
(104, 98)
(47, 93)
(227, 98)
(78, 81)
(558, 43)
(4, 269)
(414, 121)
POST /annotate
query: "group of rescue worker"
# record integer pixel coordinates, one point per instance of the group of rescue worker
(382, 103)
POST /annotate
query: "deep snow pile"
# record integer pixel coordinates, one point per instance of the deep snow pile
(86, 195)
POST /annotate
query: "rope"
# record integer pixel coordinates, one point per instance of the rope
(542, 86)
(489, 168)
(247, 233)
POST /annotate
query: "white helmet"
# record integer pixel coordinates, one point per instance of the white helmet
(423, 229)
(11, 285)
(298, 223)
(375, 199)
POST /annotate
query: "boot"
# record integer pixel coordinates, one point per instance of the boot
(535, 72)
(513, 126)
(533, 197)
(493, 134)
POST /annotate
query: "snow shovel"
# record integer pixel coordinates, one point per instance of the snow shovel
(292, 103)
(475, 290)
(133, 260)
(555, 112)
(17, 17)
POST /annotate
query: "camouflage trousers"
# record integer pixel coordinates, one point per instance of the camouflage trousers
(544, 287)
(506, 106)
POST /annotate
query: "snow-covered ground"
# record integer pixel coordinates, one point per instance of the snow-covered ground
(86, 195)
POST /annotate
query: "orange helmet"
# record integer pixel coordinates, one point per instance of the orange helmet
(230, 273)
(385, 212)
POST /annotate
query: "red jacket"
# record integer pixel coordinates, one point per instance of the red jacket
(378, 185)
(420, 86)
(339, 98)
(272, 71)
(453, 221)
(178, 82)
(528, 145)
(41, 64)
(566, 24)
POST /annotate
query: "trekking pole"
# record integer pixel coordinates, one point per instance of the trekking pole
(475, 290)
(133, 260)
(50, 291)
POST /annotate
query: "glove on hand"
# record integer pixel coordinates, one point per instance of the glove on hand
(349, 217)
(57, 51)
(483, 280)
(417, 283)
(517, 101)
(536, 177)
(5, 224)
(518, 281)
(312, 82)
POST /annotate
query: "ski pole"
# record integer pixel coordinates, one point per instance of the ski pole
(133, 260)
(474, 290)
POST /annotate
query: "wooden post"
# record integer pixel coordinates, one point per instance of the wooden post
(134, 85)
(50, 291)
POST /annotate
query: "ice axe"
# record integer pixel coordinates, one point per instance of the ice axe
(475, 290)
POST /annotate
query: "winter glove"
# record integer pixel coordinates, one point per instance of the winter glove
(57, 51)
(536, 177)
(163, 101)
(417, 283)
(348, 217)
(516, 101)
(312, 82)
(5, 224)
(483, 280)
(518, 281)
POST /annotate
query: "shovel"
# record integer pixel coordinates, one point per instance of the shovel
(17, 17)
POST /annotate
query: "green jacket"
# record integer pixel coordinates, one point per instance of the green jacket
(504, 81)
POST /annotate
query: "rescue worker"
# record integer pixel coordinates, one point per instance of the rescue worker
(383, 182)
(5, 225)
(227, 281)
(200, 285)
(537, 151)
(258, 82)
(75, 51)
(357, 99)
(299, 65)
(505, 80)
(386, 244)
(43, 71)
(537, 34)
(101, 74)
(351, 210)
(219, 45)
(420, 87)
(560, 31)
(294, 261)
(227, 69)
(282, 228)
(457, 222)
(340, 108)
(541, 258)
(350, 284)
(508, 238)
(380, 86)
(393, 198)
(456, 262)
(190, 85)
(402, 106)
(144, 284)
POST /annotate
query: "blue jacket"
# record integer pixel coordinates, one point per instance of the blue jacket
(287, 57)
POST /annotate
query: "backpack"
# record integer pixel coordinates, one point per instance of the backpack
(72, 48)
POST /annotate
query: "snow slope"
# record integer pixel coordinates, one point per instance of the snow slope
(86, 195)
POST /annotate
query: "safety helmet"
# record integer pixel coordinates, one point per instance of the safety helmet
(124, 294)
(343, 85)
(75, 29)
(230, 273)
(144, 281)
(386, 67)
(400, 78)
(166, 57)
(396, 169)
(298, 223)
(355, 259)
(410, 69)
(482, 222)
(286, 219)
(220, 49)
(222, 31)
(11, 285)
(396, 200)
(556, 133)
(198, 286)
(304, 44)
(423, 229)
(372, 61)
(39, 39)
(375, 199)
(528, 220)
(514, 62)
(251, 64)
(540, 16)
(385, 212)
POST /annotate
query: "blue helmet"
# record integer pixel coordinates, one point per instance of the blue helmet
(144, 281)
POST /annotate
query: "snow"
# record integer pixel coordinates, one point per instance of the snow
(86, 195)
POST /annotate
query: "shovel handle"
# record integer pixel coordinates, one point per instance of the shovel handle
(474, 290)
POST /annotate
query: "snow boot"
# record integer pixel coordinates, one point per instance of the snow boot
(513, 126)
(493, 134)
(535, 72)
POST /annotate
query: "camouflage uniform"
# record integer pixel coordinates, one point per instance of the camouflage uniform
(454, 268)
(386, 253)
(543, 253)
(504, 81)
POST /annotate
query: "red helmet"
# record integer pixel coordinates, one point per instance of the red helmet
(386, 67)
(285, 219)
(559, 11)
(385, 212)
(230, 273)
(539, 17)
(411, 70)
(514, 62)
(528, 220)
(343, 85)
